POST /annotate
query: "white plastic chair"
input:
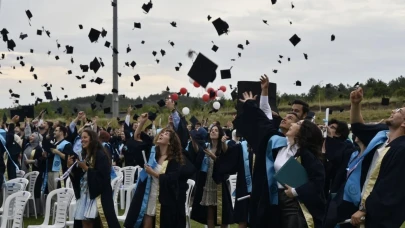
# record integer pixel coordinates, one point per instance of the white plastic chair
(20, 174)
(232, 183)
(122, 218)
(32, 178)
(72, 205)
(15, 203)
(191, 184)
(129, 176)
(64, 197)
(69, 183)
(13, 186)
(117, 170)
(116, 184)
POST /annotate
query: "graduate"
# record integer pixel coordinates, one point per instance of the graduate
(94, 206)
(212, 204)
(273, 204)
(157, 201)
(381, 198)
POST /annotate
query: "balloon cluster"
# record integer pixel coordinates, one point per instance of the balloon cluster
(213, 94)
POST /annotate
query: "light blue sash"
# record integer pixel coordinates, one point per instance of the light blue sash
(112, 173)
(275, 142)
(77, 145)
(57, 164)
(352, 191)
(248, 176)
(143, 175)
(205, 162)
(3, 142)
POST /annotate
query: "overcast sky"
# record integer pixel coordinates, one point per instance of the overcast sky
(369, 42)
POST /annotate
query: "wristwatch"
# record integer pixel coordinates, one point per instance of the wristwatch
(362, 208)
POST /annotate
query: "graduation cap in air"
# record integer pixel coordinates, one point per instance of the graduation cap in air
(142, 42)
(173, 23)
(113, 4)
(39, 32)
(4, 33)
(32, 69)
(157, 61)
(138, 106)
(385, 101)
(265, 21)
(85, 68)
(32, 94)
(83, 86)
(306, 56)
(279, 61)
(114, 90)
(95, 65)
(288, 59)
(154, 53)
(215, 48)
(48, 95)
(203, 70)
(161, 103)
(57, 57)
(147, 6)
(11, 45)
(255, 88)
(100, 98)
(22, 63)
(177, 68)
(69, 72)
(128, 49)
(209, 17)
(59, 110)
(98, 80)
(94, 35)
(103, 33)
(69, 49)
(132, 84)
(298, 83)
(80, 26)
(292, 5)
(167, 89)
(332, 37)
(239, 54)
(171, 43)
(273, 2)
(93, 106)
(23, 36)
(193, 120)
(221, 26)
(240, 46)
(295, 40)
(107, 110)
(163, 52)
(15, 95)
(127, 64)
(226, 74)
(135, 117)
(133, 64)
(357, 84)
(152, 116)
(29, 14)
(66, 96)
(137, 77)
(48, 33)
(137, 25)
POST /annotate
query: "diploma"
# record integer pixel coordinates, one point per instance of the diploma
(326, 120)
(243, 198)
(144, 157)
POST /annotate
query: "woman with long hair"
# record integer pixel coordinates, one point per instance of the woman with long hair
(212, 204)
(156, 201)
(92, 184)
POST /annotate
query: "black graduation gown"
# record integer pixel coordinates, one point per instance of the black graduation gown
(230, 163)
(199, 212)
(172, 214)
(338, 209)
(40, 166)
(14, 149)
(99, 182)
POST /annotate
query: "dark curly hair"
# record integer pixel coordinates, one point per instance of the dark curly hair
(95, 145)
(174, 150)
(310, 137)
(221, 133)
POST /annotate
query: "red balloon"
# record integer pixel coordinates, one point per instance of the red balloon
(196, 85)
(223, 88)
(206, 97)
(183, 90)
(209, 90)
(174, 96)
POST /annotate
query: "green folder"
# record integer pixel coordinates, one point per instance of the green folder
(292, 173)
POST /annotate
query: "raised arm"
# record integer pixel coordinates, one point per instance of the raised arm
(264, 98)
(142, 121)
(356, 97)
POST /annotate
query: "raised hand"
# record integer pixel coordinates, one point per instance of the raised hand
(264, 82)
(248, 96)
(356, 96)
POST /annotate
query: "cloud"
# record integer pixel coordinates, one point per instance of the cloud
(368, 43)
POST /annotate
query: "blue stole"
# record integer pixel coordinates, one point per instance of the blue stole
(248, 176)
(205, 162)
(56, 165)
(143, 175)
(275, 142)
(352, 191)
(112, 173)
(3, 142)
(77, 145)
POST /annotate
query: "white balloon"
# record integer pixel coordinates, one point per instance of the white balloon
(216, 105)
(220, 93)
(186, 111)
(191, 80)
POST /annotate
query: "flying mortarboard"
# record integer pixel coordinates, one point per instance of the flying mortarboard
(114, 90)
(193, 120)
(66, 96)
(57, 57)
(203, 70)
(240, 46)
(255, 88)
(133, 64)
(215, 48)
(95, 65)
(292, 5)
(107, 110)
(103, 33)
(332, 37)
(385, 101)
(137, 77)
(23, 36)
(128, 49)
(98, 80)
(154, 53)
(147, 7)
(39, 32)
(69, 49)
(161, 103)
(29, 14)
(69, 72)
(11, 45)
(209, 17)
(48, 95)
(32, 69)
(306, 56)
(171, 43)
(298, 83)
(100, 98)
(152, 116)
(83, 86)
(107, 44)
(137, 25)
(163, 52)
(221, 26)
(226, 74)
(94, 35)
(80, 26)
(295, 40)
(142, 42)
(174, 24)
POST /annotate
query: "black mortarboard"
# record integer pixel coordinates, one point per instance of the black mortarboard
(94, 35)
(193, 120)
(11, 45)
(128, 49)
(330, 111)
(298, 83)
(138, 106)
(127, 64)
(177, 68)
(240, 46)
(103, 33)
(69, 49)
(22, 63)
(292, 5)
(83, 86)
(115, 51)
(385, 101)
(15, 95)
(226, 74)
(174, 24)
(203, 70)
(59, 110)
(288, 59)
(57, 57)
(102, 64)
(48, 88)
(135, 117)
(209, 17)
(142, 42)
(48, 95)
(10, 91)
(161, 103)
(100, 98)
(265, 21)
(221, 26)
(342, 110)
(32, 94)
(133, 64)
(98, 80)
(234, 94)
(23, 36)
(157, 61)
(305, 56)
(32, 69)
(93, 106)
(273, 2)
(154, 53)
(107, 44)
(152, 116)
(137, 77)
(132, 84)
(39, 32)
(28, 111)
(332, 38)
(147, 7)
(95, 65)
(171, 43)
(357, 84)
(255, 88)
(114, 90)
(48, 33)
(188, 94)
(167, 89)
(113, 4)
(80, 26)
(328, 86)
(163, 52)
(279, 61)
(137, 25)
(49, 52)
(215, 48)
(66, 96)
(107, 110)
(31, 50)
(295, 40)
(29, 14)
